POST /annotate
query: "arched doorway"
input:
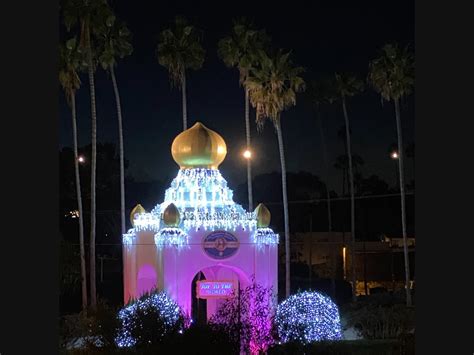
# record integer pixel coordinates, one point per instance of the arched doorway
(198, 305)
(216, 284)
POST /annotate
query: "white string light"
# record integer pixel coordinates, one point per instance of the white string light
(168, 309)
(307, 317)
(265, 236)
(171, 237)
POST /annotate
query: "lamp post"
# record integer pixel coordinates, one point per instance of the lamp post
(81, 159)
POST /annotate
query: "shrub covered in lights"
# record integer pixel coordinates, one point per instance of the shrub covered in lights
(307, 317)
(149, 321)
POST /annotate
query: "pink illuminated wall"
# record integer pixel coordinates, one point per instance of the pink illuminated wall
(146, 279)
(173, 269)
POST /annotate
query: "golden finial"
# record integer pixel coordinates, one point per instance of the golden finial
(171, 216)
(138, 209)
(198, 147)
(263, 216)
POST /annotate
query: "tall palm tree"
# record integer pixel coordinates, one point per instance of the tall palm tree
(392, 75)
(180, 49)
(70, 63)
(347, 86)
(272, 86)
(240, 50)
(320, 93)
(114, 42)
(88, 16)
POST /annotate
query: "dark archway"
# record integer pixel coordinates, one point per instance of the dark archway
(198, 305)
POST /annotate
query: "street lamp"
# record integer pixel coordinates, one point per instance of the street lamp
(247, 154)
(81, 159)
(394, 156)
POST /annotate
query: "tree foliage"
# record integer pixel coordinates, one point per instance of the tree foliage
(392, 74)
(273, 85)
(180, 48)
(240, 49)
(114, 41)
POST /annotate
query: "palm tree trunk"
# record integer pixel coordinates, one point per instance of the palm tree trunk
(351, 188)
(326, 168)
(285, 207)
(344, 181)
(402, 198)
(79, 206)
(93, 169)
(122, 169)
(249, 162)
(328, 197)
(185, 110)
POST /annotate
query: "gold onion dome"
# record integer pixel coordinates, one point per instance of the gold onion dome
(171, 216)
(198, 147)
(135, 211)
(263, 216)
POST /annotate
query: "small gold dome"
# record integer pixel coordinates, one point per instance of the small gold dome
(136, 210)
(263, 216)
(198, 147)
(171, 216)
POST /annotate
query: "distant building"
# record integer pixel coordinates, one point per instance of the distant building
(378, 264)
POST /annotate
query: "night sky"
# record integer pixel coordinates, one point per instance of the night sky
(323, 39)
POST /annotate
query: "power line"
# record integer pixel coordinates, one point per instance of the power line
(341, 198)
(301, 201)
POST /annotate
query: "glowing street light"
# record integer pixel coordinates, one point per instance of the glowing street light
(394, 155)
(81, 159)
(247, 154)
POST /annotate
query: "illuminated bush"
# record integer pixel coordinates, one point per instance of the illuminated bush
(149, 321)
(307, 317)
(247, 318)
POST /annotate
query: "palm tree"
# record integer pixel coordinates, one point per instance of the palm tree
(347, 86)
(70, 63)
(180, 49)
(88, 16)
(392, 76)
(114, 42)
(240, 50)
(320, 93)
(272, 86)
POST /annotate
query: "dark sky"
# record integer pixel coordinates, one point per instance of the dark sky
(323, 38)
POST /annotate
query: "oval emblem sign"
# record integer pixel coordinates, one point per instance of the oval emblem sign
(220, 245)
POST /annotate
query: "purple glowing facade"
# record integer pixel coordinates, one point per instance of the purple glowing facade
(210, 234)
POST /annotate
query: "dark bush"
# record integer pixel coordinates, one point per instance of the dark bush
(205, 339)
(94, 329)
(380, 316)
(102, 325)
(352, 347)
